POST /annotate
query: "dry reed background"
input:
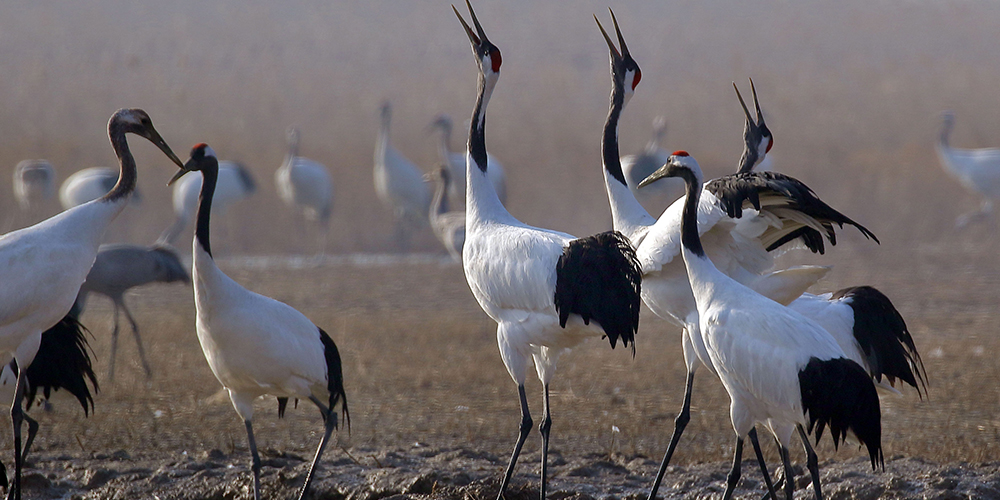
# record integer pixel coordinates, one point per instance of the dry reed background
(852, 91)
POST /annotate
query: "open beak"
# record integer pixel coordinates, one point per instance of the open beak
(473, 37)
(750, 120)
(185, 168)
(655, 176)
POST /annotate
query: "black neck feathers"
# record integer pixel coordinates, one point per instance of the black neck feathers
(210, 172)
(609, 146)
(126, 163)
(689, 218)
(477, 132)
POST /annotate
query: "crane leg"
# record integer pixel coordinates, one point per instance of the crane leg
(544, 428)
(114, 344)
(679, 424)
(734, 474)
(330, 419)
(255, 465)
(763, 464)
(138, 341)
(16, 418)
(32, 431)
(812, 462)
(526, 424)
(789, 475)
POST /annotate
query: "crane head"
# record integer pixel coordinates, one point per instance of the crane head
(679, 164)
(136, 121)
(486, 53)
(202, 158)
(757, 137)
(624, 70)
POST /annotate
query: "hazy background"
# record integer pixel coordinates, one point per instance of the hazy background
(852, 91)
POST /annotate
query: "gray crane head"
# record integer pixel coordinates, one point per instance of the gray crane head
(487, 54)
(202, 158)
(625, 71)
(168, 267)
(136, 121)
(757, 137)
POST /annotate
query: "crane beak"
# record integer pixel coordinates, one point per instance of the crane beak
(476, 40)
(180, 173)
(614, 50)
(746, 111)
(155, 138)
(655, 176)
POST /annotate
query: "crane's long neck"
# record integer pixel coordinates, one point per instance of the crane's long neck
(440, 203)
(690, 238)
(945, 133)
(482, 202)
(444, 145)
(382, 141)
(201, 232)
(627, 215)
(127, 172)
(293, 149)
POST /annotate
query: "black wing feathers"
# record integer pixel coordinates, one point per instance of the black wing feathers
(335, 376)
(63, 362)
(735, 191)
(598, 277)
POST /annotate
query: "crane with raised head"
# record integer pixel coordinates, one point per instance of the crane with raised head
(547, 291)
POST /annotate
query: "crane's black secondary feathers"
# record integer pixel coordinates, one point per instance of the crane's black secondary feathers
(63, 362)
(598, 277)
(738, 191)
(335, 376)
(882, 334)
(839, 393)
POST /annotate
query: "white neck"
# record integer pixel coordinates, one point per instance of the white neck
(627, 215)
(481, 201)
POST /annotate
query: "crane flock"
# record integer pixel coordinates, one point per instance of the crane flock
(791, 361)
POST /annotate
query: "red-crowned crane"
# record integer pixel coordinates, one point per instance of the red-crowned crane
(780, 368)
(547, 291)
(254, 344)
(43, 266)
(235, 183)
(399, 184)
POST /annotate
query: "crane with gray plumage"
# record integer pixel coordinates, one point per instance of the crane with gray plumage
(121, 267)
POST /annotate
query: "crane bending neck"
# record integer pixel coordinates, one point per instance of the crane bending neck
(202, 230)
(126, 164)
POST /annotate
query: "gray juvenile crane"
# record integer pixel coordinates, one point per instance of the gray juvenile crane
(448, 225)
(121, 267)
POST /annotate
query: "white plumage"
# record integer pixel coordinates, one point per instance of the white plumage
(976, 169)
(43, 266)
(456, 162)
(256, 345)
(448, 225)
(305, 186)
(547, 290)
(90, 184)
(399, 184)
(775, 363)
(34, 183)
(235, 183)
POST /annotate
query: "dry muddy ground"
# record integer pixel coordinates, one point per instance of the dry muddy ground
(434, 413)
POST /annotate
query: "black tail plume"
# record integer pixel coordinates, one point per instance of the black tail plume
(63, 362)
(838, 392)
(881, 332)
(598, 277)
(335, 376)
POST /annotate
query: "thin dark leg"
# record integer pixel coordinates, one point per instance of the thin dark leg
(544, 429)
(789, 475)
(255, 465)
(734, 474)
(679, 424)
(763, 465)
(526, 424)
(138, 341)
(812, 462)
(32, 431)
(17, 417)
(114, 344)
(331, 424)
